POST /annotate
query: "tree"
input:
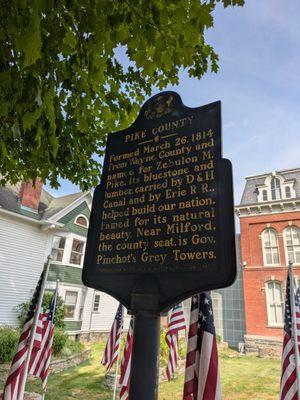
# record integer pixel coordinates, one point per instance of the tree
(72, 71)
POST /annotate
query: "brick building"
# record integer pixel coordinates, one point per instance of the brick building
(269, 215)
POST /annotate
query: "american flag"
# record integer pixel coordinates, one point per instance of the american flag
(126, 364)
(14, 381)
(176, 324)
(113, 342)
(288, 383)
(202, 380)
(40, 360)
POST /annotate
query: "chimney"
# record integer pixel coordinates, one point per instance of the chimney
(29, 195)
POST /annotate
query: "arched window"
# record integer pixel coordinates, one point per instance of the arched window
(275, 189)
(270, 247)
(82, 221)
(287, 192)
(292, 244)
(265, 195)
(274, 303)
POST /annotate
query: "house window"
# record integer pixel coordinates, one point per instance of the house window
(76, 252)
(287, 192)
(265, 195)
(58, 247)
(82, 221)
(274, 303)
(292, 244)
(270, 247)
(275, 189)
(96, 303)
(70, 303)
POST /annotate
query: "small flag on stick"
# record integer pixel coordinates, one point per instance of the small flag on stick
(40, 360)
(111, 351)
(14, 381)
(289, 381)
(126, 364)
(176, 324)
(202, 380)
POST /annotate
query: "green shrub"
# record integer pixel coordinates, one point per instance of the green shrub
(22, 310)
(72, 347)
(164, 348)
(219, 338)
(9, 339)
(59, 341)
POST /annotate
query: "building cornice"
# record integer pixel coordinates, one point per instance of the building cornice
(284, 171)
(267, 208)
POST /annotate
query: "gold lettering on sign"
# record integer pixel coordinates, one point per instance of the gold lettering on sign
(159, 204)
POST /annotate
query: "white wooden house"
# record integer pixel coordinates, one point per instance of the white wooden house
(34, 224)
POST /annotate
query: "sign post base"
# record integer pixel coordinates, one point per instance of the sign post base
(146, 337)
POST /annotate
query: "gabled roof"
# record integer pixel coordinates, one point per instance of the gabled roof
(57, 204)
(49, 205)
(250, 194)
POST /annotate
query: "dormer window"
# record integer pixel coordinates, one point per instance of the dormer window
(265, 195)
(275, 189)
(288, 192)
(82, 221)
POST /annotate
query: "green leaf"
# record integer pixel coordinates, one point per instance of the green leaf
(3, 149)
(39, 135)
(4, 108)
(30, 118)
(29, 42)
(16, 129)
(54, 143)
(70, 39)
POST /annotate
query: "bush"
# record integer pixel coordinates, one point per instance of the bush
(9, 339)
(22, 310)
(219, 338)
(59, 341)
(72, 347)
(164, 348)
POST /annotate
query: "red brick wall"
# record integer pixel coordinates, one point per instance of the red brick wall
(256, 274)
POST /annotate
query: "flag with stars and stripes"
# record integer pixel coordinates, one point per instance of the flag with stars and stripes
(176, 324)
(202, 381)
(288, 382)
(40, 360)
(14, 381)
(111, 351)
(126, 364)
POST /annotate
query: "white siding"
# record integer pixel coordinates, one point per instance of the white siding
(22, 255)
(103, 319)
(85, 327)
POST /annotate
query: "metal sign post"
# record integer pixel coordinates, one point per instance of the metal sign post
(145, 354)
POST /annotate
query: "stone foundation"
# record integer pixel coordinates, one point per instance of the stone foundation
(92, 337)
(55, 366)
(263, 346)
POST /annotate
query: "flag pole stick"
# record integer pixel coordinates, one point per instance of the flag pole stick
(294, 326)
(54, 312)
(33, 329)
(116, 373)
(117, 366)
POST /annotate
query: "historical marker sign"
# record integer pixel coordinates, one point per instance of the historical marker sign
(164, 207)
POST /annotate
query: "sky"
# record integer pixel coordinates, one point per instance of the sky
(258, 84)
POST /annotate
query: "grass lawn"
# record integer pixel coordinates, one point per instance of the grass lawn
(242, 377)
